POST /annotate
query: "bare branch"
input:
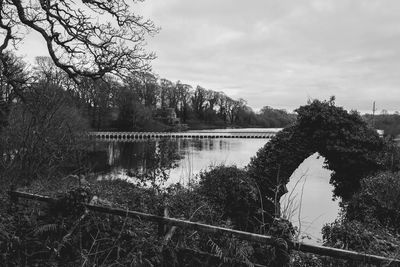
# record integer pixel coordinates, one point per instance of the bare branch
(78, 40)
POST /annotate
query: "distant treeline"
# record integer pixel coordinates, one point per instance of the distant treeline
(134, 104)
(390, 123)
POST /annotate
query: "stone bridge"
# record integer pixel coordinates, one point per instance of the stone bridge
(134, 136)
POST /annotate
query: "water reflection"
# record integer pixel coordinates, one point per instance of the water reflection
(309, 202)
(199, 155)
(141, 162)
(173, 160)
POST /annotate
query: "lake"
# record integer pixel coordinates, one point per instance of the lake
(171, 161)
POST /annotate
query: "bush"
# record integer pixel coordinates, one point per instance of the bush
(43, 136)
(357, 236)
(236, 194)
(370, 222)
(65, 235)
(377, 202)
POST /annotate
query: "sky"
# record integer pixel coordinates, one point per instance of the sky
(278, 53)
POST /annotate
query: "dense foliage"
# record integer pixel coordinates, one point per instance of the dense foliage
(390, 123)
(42, 136)
(357, 236)
(377, 202)
(230, 188)
(64, 233)
(351, 148)
(275, 118)
(370, 219)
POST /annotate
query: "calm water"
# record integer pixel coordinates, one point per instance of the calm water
(172, 161)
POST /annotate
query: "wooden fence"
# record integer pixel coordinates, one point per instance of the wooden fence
(319, 250)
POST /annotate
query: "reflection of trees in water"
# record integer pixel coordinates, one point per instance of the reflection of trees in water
(148, 161)
(151, 160)
(204, 144)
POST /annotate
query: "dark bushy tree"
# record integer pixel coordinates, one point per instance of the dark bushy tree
(377, 201)
(230, 188)
(370, 220)
(351, 149)
(275, 118)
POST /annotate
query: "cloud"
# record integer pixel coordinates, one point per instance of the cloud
(283, 52)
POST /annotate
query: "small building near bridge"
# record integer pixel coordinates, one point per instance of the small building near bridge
(167, 116)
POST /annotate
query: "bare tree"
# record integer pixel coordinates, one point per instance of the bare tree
(87, 38)
(199, 101)
(184, 96)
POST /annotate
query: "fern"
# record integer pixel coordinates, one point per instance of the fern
(215, 248)
(240, 251)
(237, 251)
(243, 252)
(47, 228)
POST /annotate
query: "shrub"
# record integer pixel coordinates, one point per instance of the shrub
(43, 136)
(232, 190)
(357, 236)
(377, 201)
(66, 235)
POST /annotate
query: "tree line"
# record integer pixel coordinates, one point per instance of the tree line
(131, 104)
(389, 123)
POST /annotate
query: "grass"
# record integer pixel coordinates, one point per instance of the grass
(291, 205)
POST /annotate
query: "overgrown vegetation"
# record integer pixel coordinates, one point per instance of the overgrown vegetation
(370, 220)
(235, 194)
(64, 233)
(377, 201)
(351, 148)
(43, 136)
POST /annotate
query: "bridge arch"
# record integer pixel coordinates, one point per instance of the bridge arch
(350, 147)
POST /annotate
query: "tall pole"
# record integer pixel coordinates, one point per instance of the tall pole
(373, 115)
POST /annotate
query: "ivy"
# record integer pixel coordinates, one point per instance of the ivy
(351, 148)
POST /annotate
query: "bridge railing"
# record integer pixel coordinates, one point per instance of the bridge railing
(132, 136)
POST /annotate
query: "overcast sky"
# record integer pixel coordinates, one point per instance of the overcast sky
(279, 53)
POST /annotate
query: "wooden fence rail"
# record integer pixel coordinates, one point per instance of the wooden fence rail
(319, 250)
